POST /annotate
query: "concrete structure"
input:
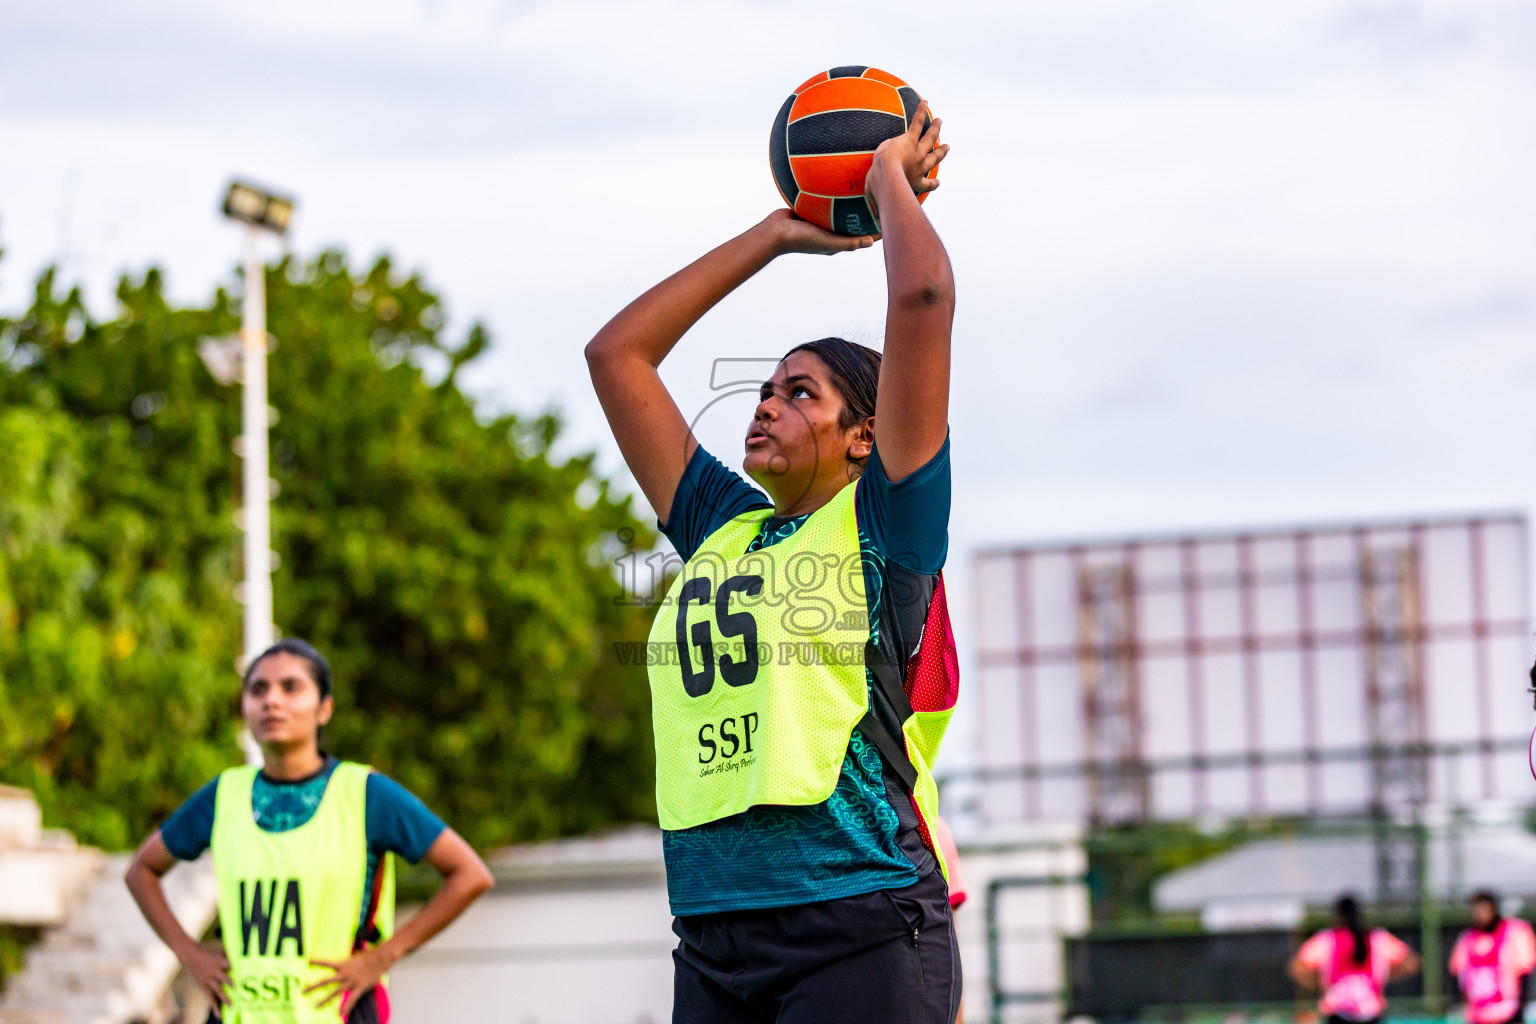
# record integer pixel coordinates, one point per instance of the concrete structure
(575, 932)
(42, 871)
(99, 963)
(578, 932)
(1026, 893)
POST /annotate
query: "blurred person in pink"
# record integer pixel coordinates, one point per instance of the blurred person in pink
(1351, 965)
(1491, 961)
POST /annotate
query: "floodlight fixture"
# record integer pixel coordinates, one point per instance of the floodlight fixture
(257, 207)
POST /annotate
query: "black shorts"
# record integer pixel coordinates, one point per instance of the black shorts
(886, 957)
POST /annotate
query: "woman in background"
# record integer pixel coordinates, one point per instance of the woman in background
(301, 851)
(1351, 965)
(1491, 961)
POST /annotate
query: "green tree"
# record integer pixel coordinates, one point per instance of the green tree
(458, 575)
(115, 562)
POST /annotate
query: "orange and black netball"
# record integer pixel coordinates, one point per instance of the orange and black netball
(824, 141)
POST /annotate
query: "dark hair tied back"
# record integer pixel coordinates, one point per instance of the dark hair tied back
(319, 668)
(1348, 909)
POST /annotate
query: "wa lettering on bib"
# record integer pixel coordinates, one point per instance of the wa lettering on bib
(288, 897)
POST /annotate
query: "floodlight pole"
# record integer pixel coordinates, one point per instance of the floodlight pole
(257, 484)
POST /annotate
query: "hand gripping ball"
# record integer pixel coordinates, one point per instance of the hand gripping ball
(824, 141)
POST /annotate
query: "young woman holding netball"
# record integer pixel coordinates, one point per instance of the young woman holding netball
(793, 780)
(301, 848)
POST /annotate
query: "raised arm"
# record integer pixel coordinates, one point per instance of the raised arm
(625, 355)
(912, 414)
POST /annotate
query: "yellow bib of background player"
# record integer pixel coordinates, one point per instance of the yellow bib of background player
(286, 898)
(757, 668)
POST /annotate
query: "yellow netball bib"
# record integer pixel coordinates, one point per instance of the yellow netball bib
(757, 668)
(286, 898)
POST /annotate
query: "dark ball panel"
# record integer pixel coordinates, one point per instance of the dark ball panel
(778, 154)
(851, 216)
(842, 131)
(848, 71)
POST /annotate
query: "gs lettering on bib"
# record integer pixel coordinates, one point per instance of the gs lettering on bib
(764, 679)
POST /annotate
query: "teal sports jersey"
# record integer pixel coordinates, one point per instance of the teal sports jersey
(865, 836)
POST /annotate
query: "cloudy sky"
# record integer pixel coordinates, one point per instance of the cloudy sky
(1218, 264)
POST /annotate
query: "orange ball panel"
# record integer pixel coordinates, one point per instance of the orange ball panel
(835, 175)
(812, 81)
(847, 94)
(816, 209)
(875, 74)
